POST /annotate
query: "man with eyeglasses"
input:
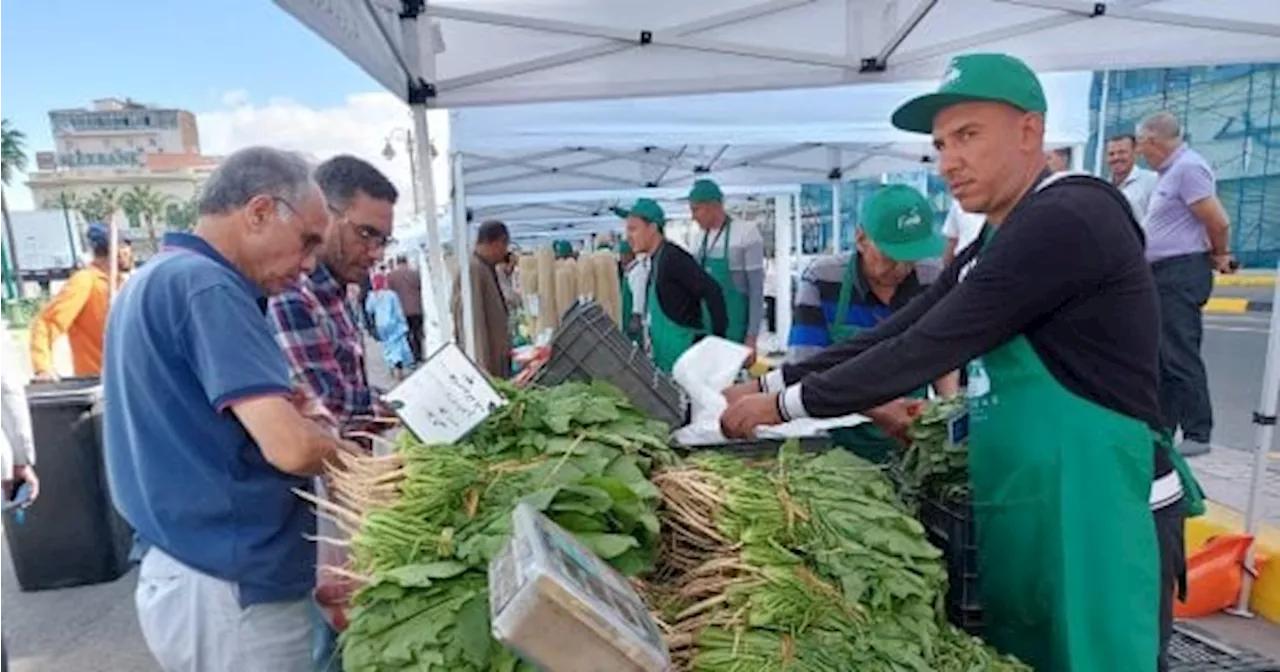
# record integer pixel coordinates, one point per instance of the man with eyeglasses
(320, 335)
(206, 439)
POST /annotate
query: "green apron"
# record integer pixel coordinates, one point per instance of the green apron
(627, 305)
(667, 338)
(865, 440)
(735, 302)
(1066, 540)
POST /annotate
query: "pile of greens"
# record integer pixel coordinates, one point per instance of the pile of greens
(576, 452)
(802, 565)
(929, 467)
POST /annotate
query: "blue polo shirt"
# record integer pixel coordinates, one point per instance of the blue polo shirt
(186, 339)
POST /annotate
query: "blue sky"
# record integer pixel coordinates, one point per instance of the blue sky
(212, 57)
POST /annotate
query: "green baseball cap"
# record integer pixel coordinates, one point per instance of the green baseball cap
(563, 249)
(899, 221)
(646, 209)
(705, 191)
(973, 78)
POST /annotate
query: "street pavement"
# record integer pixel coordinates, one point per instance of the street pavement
(94, 629)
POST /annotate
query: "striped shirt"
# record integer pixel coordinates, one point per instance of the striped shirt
(818, 296)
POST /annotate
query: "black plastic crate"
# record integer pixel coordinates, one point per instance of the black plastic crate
(762, 448)
(950, 526)
(589, 346)
(1193, 650)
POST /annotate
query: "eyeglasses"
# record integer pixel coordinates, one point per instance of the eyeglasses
(310, 241)
(367, 232)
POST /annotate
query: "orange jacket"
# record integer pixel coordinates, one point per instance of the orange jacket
(79, 310)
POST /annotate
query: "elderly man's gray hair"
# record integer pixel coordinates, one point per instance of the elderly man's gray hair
(256, 171)
(1162, 124)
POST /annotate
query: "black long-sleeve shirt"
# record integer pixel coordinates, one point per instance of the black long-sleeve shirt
(1066, 270)
(683, 287)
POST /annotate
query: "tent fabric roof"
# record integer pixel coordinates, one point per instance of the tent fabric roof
(741, 139)
(487, 52)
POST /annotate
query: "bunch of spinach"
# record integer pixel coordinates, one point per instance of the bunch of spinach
(578, 453)
(805, 565)
(930, 466)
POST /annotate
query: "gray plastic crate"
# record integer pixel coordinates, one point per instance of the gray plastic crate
(1192, 649)
(589, 346)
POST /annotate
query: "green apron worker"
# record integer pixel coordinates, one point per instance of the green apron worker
(840, 296)
(682, 302)
(632, 275)
(1079, 511)
(732, 252)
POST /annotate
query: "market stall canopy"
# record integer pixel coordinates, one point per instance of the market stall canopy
(488, 52)
(742, 139)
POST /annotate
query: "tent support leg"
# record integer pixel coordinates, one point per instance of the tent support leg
(783, 223)
(1264, 418)
(462, 252)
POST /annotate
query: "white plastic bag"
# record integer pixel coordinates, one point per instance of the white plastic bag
(712, 365)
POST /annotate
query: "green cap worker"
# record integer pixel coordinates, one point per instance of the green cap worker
(683, 303)
(839, 296)
(630, 265)
(563, 249)
(733, 253)
(1056, 316)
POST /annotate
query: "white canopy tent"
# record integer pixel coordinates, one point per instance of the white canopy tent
(587, 156)
(490, 52)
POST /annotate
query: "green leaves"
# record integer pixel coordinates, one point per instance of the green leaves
(575, 452)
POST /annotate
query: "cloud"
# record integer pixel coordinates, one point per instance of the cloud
(359, 126)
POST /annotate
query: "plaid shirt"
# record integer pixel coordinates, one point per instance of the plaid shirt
(318, 332)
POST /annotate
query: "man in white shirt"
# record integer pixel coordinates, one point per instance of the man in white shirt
(1136, 183)
(960, 229)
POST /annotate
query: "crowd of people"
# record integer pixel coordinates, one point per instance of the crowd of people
(1066, 308)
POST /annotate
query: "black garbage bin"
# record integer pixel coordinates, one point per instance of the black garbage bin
(71, 535)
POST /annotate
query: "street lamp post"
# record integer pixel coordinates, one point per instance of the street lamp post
(389, 154)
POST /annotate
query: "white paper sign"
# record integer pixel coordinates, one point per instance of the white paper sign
(447, 397)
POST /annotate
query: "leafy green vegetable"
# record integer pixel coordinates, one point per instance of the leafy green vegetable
(576, 452)
(929, 467)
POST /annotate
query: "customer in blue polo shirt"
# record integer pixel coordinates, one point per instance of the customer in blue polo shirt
(204, 437)
(894, 260)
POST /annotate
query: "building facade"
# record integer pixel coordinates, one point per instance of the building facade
(137, 164)
(1231, 115)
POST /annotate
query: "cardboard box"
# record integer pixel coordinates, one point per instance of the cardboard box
(562, 608)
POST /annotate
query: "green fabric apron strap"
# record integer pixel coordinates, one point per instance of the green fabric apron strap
(1061, 488)
(667, 338)
(735, 302)
(628, 303)
(840, 329)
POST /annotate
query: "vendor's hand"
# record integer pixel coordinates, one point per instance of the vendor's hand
(25, 473)
(741, 390)
(743, 416)
(895, 417)
(45, 377)
(1225, 264)
(750, 342)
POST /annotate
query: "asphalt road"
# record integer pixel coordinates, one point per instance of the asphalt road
(94, 629)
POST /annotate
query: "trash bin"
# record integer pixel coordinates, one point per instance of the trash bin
(71, 535)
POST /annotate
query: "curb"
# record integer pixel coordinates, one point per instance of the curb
(1245, 280)
(1234, 306)
(1220, 519)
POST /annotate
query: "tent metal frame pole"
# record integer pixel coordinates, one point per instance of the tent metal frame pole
(462, 252)
(1264, 419)
(679, 36)
(1131, 11)
(783, 229)
(904, 31)
(421, 70)
(1104, 99)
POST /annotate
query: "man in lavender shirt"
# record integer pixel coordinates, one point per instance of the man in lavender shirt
(1187, 241)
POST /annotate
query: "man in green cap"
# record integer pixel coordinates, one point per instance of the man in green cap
(633, 273)
(682, 302)
(840, 296)
(563, 249)
(1079, 509)
(732, 252)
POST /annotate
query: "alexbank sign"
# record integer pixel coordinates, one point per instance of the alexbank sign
(116, 159)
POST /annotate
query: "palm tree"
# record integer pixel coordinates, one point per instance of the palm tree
(13, 159)
(181, 216)
(100, 206)
(144, 204)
